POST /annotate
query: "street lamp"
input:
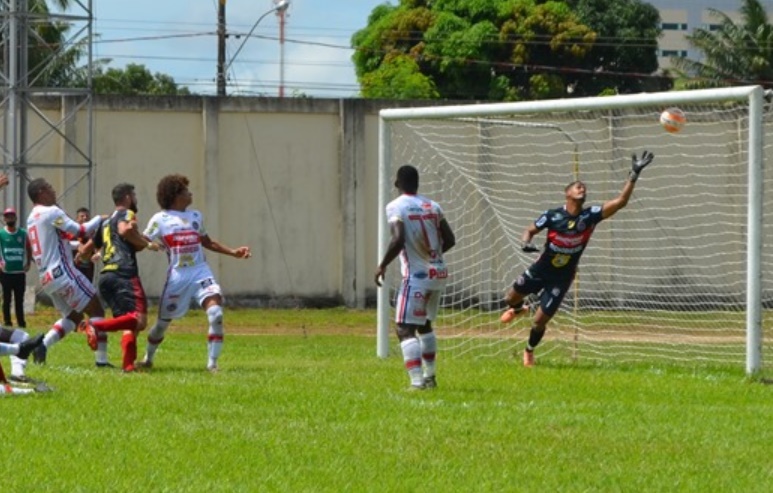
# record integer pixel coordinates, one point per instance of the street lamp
(280, 7)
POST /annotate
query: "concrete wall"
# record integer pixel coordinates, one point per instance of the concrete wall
(295, 179)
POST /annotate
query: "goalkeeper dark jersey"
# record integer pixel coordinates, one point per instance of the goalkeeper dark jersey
(118, 255)
(566, 239)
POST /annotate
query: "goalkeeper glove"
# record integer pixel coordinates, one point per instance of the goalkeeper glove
(529, 247)
(638, 164)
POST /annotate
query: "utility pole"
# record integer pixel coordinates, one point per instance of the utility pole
(221, 35)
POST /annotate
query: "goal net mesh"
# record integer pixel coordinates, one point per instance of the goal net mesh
(664, 279)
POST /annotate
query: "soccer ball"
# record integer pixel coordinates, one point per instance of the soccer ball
(673, 120)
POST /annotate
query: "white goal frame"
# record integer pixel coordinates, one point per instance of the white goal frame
(754, 96)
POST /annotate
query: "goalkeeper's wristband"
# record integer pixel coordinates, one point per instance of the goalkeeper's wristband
(633, 176)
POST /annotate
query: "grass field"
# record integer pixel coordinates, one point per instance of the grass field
(302, 404)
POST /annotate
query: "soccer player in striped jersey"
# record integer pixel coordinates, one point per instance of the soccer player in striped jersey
(119, 281)
(569, 230)
(420, 235)
(50, 230)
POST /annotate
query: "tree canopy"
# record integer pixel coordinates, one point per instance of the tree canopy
(506, 50)
(134, 79)
(733, 54)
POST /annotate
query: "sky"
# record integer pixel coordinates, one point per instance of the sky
(178, 38)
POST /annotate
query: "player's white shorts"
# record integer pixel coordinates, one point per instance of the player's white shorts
(183, 285)
(417, 303)
(69, 290)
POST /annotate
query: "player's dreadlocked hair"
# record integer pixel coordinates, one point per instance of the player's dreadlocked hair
(170, 187)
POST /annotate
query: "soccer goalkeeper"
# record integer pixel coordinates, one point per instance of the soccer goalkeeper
(569, 230)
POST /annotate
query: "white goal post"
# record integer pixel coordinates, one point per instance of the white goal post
(676, 276)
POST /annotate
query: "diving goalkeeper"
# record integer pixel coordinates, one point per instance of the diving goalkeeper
(569, 230)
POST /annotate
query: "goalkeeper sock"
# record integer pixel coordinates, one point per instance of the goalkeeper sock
(412, 358)
(428, 351)
(535, 336)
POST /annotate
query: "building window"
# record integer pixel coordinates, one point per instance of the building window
(670, 53)
(673, 26)
(714, 27)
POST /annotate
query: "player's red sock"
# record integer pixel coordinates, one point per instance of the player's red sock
(129, 348)
(117, 324)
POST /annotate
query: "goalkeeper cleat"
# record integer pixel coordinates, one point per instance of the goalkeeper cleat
(27, 347)
(528, 359)
(430, 382)
(143, 365)
(91, 334)
(511, 314)
(417, 387)
(104, 364)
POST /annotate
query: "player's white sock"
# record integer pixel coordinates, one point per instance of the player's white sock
(412, 358)
(18, 365)
(61, 328)
(214, 334)
(428, 351)
(100, 355)
(155, 337)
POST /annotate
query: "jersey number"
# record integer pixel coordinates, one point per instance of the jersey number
(32, 235)
(423, 220)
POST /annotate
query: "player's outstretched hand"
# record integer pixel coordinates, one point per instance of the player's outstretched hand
(639, 163)
(153, 246)
(3, 180)
(242, 252)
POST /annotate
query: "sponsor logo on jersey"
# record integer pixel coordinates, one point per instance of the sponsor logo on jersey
(420, 275)
(195, 225)
(171, 307)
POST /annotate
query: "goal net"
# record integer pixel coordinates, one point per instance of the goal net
(679, 275)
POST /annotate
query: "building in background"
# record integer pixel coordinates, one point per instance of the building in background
(680, 18)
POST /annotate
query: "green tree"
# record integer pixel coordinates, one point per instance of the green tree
(134, 79)
(734, 54)
(625, 55)
(503, 50)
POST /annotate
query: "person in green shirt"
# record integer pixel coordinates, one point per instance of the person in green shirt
(16, 254)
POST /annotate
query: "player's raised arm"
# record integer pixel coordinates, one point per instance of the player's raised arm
(638, 164)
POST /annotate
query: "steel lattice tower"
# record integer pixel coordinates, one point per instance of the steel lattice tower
(47, 107)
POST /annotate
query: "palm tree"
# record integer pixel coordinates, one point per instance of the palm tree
(734, 54)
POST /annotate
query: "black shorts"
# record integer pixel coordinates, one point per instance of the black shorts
(122, 294)
(553, 289)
